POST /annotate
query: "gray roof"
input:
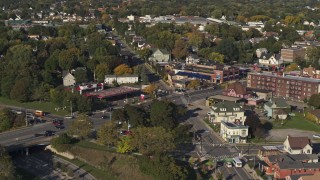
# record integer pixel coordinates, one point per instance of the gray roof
(279, 102)
(287, 77)
(231, 125)
(229, 106)
(298, 165)
(119, 76)
(164, 51)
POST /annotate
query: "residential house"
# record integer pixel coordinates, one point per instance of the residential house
(228, 112)
(261, 93)
(274, 106)
(298, 145)
(261, 51)
(311, 72)
(192, 59)
(123, 79)
(236, 89)
(159, 55)
(314, 116)
(270, 59)
(68, 79)
(233, 132)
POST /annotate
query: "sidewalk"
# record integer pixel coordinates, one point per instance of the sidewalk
(251, 172)
(77, 171)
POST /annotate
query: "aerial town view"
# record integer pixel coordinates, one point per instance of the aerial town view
(159, 89)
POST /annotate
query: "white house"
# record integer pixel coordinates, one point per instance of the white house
(298, 145)
(227, 111)
(270, 59)
(234, 133)
(159, 55)
(192, 59)
(231, 117)
(68, 79)
(123, 79)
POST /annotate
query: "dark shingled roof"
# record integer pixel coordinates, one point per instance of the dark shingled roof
(298, 142)
(237, 87)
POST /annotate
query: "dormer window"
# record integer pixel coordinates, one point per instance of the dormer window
(223, 109)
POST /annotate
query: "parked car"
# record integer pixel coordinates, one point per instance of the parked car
(316, 136)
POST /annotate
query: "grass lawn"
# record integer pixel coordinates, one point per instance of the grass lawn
(297, 122)
(91, 145)
(97, 173)
(44, 106)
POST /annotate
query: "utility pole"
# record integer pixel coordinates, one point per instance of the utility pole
(110, 114)
(71, 108)
(26, 119)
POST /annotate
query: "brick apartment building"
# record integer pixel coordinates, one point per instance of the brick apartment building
(290, 54)
(289, 87)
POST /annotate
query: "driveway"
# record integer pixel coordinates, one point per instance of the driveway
(281, 134)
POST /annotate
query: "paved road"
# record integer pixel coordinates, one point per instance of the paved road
(41, 164)
(26, 135)
(212, 144)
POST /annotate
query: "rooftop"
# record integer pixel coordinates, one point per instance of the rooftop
(298, 78)
(224, 98)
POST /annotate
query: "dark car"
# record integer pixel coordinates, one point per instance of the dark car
(49, 133)
(59, 127)
(57, 122)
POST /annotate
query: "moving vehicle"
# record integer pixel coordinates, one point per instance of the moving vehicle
(229, 164)
(60, 127)
(237, 162)
(57, 122)
(39, 113)
(68, 117)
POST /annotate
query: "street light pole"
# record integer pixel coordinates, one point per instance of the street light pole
(71, 108)
(26, 119)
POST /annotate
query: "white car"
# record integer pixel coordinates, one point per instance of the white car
(316, 136)
(229, 164)
(68, 117)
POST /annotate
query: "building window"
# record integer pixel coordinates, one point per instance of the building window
(308, 151)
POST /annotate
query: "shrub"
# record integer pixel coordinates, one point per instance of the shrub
(62, 143)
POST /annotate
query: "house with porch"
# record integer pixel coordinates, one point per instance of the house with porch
(230, 116)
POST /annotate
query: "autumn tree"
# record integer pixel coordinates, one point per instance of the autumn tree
(292, 67)
(124, 145)
(152, 140)
(108, 134)
(150, 89)
(180, 49)
(123, 69)
(193, 84)
(81, 127)
(217, 57)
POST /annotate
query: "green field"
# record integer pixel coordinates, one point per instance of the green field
(36, 105)
(297, 122)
